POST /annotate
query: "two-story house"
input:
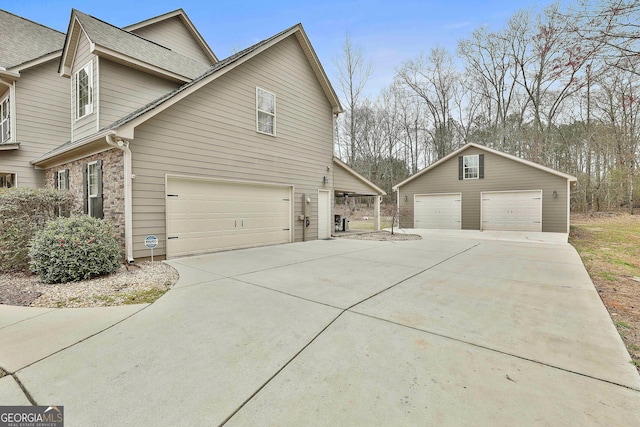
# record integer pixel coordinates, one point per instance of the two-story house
(164, 139)
(29, 84)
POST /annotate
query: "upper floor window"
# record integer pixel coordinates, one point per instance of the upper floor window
(265, 111)
(5, 120)
(471, 167)
(84, 91)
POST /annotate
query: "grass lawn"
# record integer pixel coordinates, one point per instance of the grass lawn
(362, 224)
(609, 245)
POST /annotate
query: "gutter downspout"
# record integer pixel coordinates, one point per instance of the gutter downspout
(128, 198)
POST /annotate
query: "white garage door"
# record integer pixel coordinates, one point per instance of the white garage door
(206, 216)
(512, 210)
(442, 211)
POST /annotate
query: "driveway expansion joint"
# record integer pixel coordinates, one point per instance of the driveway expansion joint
(497, 351)
(24, 389)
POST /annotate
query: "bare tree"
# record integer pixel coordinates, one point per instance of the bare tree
(490, 62)
(353, 73)
(435, 80)
(614, 27)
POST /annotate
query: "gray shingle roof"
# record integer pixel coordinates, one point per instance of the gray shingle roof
(134, 46)
(23, 40)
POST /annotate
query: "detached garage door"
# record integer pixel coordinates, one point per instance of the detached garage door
(207, 216)
(512, 210)
(442, 211)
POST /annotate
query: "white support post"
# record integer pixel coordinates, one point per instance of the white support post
(376, 214)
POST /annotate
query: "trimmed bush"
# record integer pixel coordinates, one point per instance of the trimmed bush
(23, 211)
(76, 248)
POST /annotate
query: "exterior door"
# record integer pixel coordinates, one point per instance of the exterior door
(324, 214)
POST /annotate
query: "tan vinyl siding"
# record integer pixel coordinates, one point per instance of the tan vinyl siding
(42, 118)
(343, 181)
(124, 90)
(212, 133)
(88, 124)
(173, 34)
(500, 174)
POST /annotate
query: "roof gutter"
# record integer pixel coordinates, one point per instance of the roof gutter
(128, 199)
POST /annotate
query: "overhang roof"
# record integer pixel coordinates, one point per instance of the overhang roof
(180, 13)
(23, 40)
(376, 190)
(122, 46)
(489, 150)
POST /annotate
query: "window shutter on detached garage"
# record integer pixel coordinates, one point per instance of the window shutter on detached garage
(460, 168)
(481, 166)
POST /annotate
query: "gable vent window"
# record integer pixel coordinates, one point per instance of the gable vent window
(5, 120)
(84, 91)
(265, 112)
(471, 167)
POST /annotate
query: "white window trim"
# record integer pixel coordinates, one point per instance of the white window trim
(465, 168)
(59, 174)
(88, 68)
(258, 111)
(8, 98)
(15, 178)
(89, 196)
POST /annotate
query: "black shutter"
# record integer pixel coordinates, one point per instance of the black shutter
(481, 166)
(85, 189)
(66, 178)
(98, 207)
(460, 168)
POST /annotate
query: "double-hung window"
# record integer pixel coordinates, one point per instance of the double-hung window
(471, 167)
(7, 180)
(84, 91)
(93, 196)
(63, 179)
(265, 112)
(5, 119)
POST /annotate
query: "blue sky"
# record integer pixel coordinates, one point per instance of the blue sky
(389, 32)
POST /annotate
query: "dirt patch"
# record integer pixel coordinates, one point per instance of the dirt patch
(609, 245)
(142, 283)
(381, 236)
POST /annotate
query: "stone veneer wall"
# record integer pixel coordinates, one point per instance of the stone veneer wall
(112, 186)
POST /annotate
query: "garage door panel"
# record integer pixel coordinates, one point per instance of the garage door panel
(438, 211)
(205, 216)
(512, 210)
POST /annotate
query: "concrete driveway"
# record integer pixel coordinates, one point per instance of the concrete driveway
(454, 329)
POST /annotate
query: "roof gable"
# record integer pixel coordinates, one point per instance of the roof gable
(488, 150)
(124, 127)
(184, 19)
(124, 47)
(126, 124)
(24, 40)
(355, 175)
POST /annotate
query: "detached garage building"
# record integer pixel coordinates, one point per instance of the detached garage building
(478, 188)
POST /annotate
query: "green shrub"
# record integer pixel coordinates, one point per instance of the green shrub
(76, 248)
(23, 211)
